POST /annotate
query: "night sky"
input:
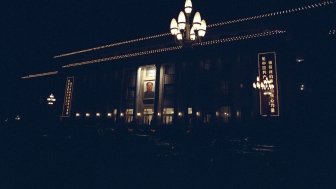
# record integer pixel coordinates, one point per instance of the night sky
(40, 151)
(34, 31)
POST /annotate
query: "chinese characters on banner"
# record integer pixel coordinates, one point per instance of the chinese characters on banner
(269, 99)
(68, 97)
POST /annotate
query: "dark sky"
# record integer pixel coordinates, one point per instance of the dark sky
(34, 31)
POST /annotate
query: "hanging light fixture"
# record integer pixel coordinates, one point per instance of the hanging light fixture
(202, 29)
(184, 31)
(188, 7)
(51, 99)
(266, 86)
(173, 27)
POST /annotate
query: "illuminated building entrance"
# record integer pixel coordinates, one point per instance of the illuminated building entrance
(145, 97)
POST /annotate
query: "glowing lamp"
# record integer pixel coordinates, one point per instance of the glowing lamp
(197, 21)
(188, 6)
(173, 27)
(179, 36)
(202, 29)
(181, 20)
(192, 34)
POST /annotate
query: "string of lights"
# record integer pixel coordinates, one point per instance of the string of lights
(332, 32)
(39, 75)
(283, 12)
(242, 37)
(142, 53)
(114, 44)
(277, 13)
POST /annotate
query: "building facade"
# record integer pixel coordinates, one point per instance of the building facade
(153, 81)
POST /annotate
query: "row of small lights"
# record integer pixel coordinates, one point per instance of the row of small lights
(332, 32)
(243, 37)
(180, 114)
(288, 11)
(141, 53)
(97, 114)
(39, 75)
(114, 44)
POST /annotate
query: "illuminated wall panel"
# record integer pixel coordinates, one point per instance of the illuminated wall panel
(269, 99)
(68, 97)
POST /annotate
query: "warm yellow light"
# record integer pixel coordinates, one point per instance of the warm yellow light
(179, 36)
(121, 114)
(197, 21)
(17, 118)
(188, 6)
(77, 114)
(138, 114)
(198, 114)
(262, 85)
(181, 21)
(192, 34)
(98, 114)
(180, 114)
(39, 75)
(109, 114)
(87, 114)
(202, 29)
(267, 93)
(159, 114)
(173, 27)
(189, 110)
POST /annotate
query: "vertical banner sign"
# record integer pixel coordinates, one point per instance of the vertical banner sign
(269, 98)
(68, 97)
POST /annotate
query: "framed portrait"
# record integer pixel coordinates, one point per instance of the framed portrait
(149, 90)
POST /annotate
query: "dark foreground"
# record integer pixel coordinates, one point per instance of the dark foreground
(64, 157)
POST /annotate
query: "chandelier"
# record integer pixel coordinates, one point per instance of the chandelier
(266, 85)
(51, 99)
(187, 33)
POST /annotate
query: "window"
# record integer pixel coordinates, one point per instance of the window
(131, 81)
(225, 113)
(129, 115)
(189, 111)
(205, 65)
(148, 116)
(169, 69)
(225, 87)
(207, 118)
(169, 90)
(168, 116)
(130, 93)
